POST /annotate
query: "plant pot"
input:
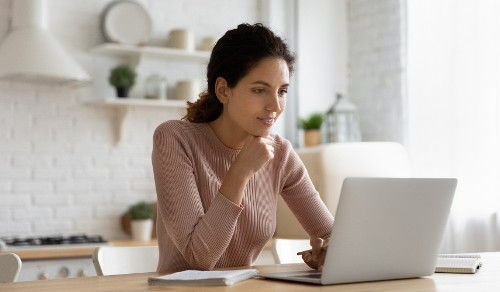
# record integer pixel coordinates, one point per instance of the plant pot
(122, 92)
(142, 229)
(312, 138)
(126, 225)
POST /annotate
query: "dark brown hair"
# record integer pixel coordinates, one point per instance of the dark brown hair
(233, 56)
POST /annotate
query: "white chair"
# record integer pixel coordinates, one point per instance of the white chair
(329, 164)
(285, 250)
(10, 266)
(116, 260)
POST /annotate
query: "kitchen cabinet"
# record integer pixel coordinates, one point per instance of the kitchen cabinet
(135, 56)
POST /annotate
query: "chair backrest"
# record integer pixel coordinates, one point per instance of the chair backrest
(329, 164)
(10, 266)
(285, 250)
(116, 260)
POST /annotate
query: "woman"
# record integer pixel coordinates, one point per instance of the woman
(219, 172)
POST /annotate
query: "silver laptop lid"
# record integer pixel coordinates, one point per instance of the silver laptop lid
(387, 228)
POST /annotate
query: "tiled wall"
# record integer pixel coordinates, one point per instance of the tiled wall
(61, 170)
(377, 67)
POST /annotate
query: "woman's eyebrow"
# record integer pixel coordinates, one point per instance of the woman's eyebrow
(267, 84)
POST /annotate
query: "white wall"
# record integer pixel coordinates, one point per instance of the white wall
(280, 16)
(377, 67)
(322, 53)
(358, 48)
(60, 169)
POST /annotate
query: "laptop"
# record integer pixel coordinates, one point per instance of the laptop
(384, 229)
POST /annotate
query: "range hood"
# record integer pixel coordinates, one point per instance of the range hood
(30, 54)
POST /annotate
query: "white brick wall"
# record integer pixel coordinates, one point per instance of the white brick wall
(377, 67)
(60, 169)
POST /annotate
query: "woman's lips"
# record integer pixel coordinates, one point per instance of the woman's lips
(267, 121)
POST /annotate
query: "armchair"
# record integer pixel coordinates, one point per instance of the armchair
(329, 164)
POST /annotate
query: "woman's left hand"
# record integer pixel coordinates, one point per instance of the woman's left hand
(315, 257)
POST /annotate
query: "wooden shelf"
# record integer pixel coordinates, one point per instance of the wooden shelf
(124, 105)
(139, 102)
(136, 54)
(161, 52)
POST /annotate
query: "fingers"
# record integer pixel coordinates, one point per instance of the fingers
(307, 258)
(260, 147)
(316, 245)
(321, 260)
(315, 257)
(256, 152)
(268, 143)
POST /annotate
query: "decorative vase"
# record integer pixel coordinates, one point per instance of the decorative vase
(312, 138)
(122, 92)
(142, 229)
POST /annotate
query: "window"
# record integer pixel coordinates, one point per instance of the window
(454, 111)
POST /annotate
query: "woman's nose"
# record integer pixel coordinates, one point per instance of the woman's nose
(274, 103)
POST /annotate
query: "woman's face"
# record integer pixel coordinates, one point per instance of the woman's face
(258, 99)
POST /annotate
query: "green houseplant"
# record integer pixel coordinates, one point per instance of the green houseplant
(312, 129)
(313, 122)
(140, 211)
(122, 77)
(141, 220)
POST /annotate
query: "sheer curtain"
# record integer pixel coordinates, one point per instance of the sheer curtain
(454, 111)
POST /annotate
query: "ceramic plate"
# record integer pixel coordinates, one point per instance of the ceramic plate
(126, 22)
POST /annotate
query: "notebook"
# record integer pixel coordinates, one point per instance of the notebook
(203, 278)
(385, 228)
(460, 263)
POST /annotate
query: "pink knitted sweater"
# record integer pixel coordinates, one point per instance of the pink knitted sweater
(197, 227)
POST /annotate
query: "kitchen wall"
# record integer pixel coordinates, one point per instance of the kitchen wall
(377, 67)
(61, 170)
(322, 53)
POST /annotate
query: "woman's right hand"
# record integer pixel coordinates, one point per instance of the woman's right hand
(315, 257)
(255, 153)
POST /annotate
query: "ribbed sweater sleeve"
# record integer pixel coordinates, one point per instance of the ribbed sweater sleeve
(302, 198)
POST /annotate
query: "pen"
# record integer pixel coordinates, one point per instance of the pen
(304, 252)
(323, 248)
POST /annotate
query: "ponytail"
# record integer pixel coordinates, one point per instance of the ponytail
(206, 109)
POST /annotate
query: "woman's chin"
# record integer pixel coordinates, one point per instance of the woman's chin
(261, 133)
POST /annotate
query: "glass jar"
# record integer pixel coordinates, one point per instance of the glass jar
(156, 87)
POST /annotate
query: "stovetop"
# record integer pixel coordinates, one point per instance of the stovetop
(56, 241)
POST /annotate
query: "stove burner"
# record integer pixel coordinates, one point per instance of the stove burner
(53, 240)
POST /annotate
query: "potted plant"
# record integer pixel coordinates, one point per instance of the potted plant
(122, 77)
(312, 129)
(141, 218)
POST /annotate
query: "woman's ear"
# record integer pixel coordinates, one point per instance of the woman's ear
(222, 90)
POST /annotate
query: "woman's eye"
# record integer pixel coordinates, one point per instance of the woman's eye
(258, 90)
(283, 92)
